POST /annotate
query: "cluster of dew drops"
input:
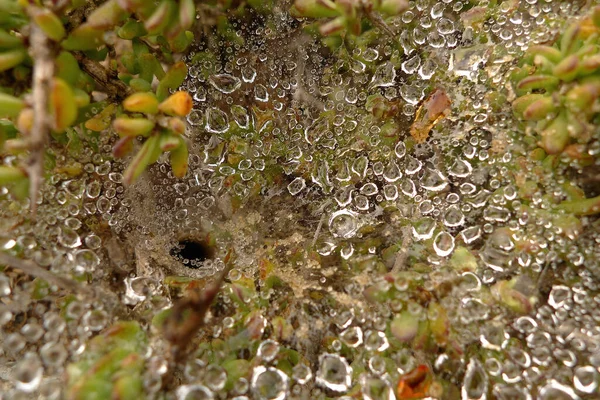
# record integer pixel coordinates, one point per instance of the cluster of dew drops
(265, 96)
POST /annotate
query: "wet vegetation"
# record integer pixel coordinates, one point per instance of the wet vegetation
(309, 199)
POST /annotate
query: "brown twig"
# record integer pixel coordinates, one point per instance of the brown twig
(78, 15)
(110, 84)
(43, 70)
(33, 269)
(187, 315)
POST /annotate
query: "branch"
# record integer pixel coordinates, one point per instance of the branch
(187, 315)
(78, 15)
(112, 86)
(43, 70)
(33, 269)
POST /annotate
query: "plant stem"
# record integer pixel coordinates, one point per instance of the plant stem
(33, 269)
(112, 86)
(43, 71)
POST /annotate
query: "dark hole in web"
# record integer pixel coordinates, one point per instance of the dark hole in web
(192, 252)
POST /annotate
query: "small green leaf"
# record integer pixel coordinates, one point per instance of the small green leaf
(172, 80)
(106, 16)
(178, 104)
(147, 155)
(132, 29)
(67, 67)
(62, 105)
(10, 106)
(141, 102)
(50, 24)
(405, 326)
(133, 126)
(8, 41)
(12, 58)
(83, 38)
(547, 82)
(539, 109)
(160, 19)
(179, 159)
(556, 136)
(9, 175)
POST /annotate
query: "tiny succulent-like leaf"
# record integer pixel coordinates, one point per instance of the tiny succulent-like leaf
(334, 26)
(315, 8)
(556, 136)
(25, 121)
(67, 67)
(141, 102)
(131, 29)
(552, 54)
(179, 159)
(438, 322)
(539, 109)
(106, 16)
(568, 40)
(179, 104)
(62, 105)
(10, 175)
(404, 326)
(140, 85)
(10, 59)
(49, 23)
(567, 69)
(101, 121)
(169, 142)
(596, 16)
(181, 42)
(8, 41)
(187, 13)
(83, 37)
(82, 99)
(393, 7)
(520, 104)
(123, 146)
(581, 97)
(547, 82)
(10, 106)
(172, 80)
(160, 18)
(589, 206)
(590, 64)
(147, 155)
(133, 126)
(176, 125)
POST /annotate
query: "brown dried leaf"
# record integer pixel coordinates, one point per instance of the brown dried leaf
(429, 113)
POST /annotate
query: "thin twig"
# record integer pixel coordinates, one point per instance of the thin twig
(111, 85)
(43, 70)
(33, 269)
(79, 14)
(379, 22)
(187, 315)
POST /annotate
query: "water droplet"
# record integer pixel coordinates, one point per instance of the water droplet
(28, 373)
(343, 223)
(225, 83)
(269, 383)
(334, 373)
(475, 383)
(296, 186)
(69, 237)
(268, 350)
(423, 228)
(216, 120)
(194, 392)
(443, 244)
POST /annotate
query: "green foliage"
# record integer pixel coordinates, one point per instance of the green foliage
(558, 85)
